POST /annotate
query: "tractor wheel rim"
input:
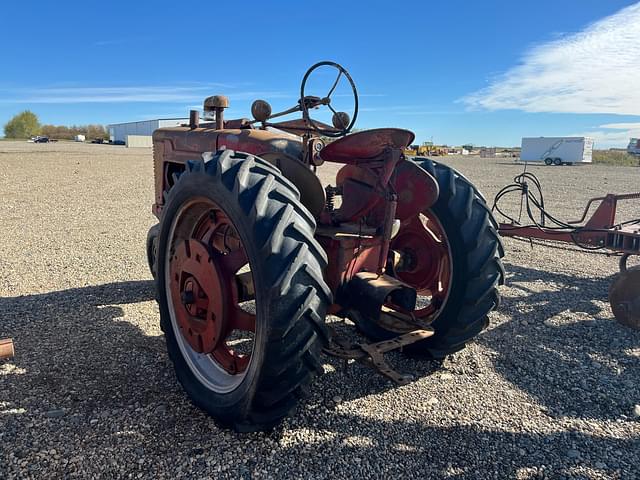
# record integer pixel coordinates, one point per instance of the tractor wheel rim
(213, 332)
(423, 242)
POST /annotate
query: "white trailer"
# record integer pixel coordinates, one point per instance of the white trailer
(557, 150)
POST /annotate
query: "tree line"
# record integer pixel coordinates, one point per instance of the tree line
(26, 125)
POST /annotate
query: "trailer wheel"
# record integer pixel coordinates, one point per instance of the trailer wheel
(455, 266)
(557, 161)
(548, 161)
(240, 288)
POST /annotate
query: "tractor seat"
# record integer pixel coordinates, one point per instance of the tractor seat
(366, 146)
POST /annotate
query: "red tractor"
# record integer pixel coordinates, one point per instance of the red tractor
(251, 252)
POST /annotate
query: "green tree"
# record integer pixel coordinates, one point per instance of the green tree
(23, 125)
(63, 132)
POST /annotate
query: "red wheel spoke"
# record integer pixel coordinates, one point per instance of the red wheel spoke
(441, 278)
(231, 262)
(426, 263)
(241, 320)
(231, 361)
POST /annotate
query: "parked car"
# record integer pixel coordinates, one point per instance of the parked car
(40, 139)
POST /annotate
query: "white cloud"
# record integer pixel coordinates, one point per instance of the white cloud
(622, 126)
(69, 95)
(130, 94)
(612, 134)
(592, 71)
(187, 92)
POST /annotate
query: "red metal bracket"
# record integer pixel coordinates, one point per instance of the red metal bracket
(599, 231)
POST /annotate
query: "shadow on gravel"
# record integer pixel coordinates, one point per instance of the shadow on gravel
(75, 343)
(563, 346)
(407, 449)
(363, 380)
(122, 409)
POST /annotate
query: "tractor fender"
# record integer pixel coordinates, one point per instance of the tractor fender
(417, 190)
(312, 195)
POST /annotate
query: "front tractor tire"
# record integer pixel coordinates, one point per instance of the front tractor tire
(455, 266)
(152, 248)
(244, 351)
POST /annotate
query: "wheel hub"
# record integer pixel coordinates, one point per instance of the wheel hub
(196, 282)
(425, 261)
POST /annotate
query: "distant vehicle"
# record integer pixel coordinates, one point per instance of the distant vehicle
(98, 140)
(427, 148)
(119, 142)
(79, 138)
(39, 139)
(634, 146)
(557, 150)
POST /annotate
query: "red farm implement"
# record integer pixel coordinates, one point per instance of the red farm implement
(601, 231)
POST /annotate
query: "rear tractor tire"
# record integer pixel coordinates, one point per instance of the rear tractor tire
(548, 161)
(455, 266)
(244, 351)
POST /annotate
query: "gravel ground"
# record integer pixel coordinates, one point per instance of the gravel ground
(548, 391)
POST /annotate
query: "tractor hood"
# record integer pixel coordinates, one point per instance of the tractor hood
(183, 142)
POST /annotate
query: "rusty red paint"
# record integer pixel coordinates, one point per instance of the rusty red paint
(348, 255)
(426, 262)
(195, 281)
(378, 185)
(416, 191)
(368, 145)
(206, 293)
(598, 231)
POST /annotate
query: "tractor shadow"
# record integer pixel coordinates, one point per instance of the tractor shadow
(356, 380)
(80, 344)
(418, 448)
(121, 368)
(561, 344)
(570, 354)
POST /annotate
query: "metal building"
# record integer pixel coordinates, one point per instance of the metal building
(118, 132)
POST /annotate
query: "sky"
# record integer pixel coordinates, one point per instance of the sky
(454, 72)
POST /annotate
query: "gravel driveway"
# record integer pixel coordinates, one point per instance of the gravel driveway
(548, 391)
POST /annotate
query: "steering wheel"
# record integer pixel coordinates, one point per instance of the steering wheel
(339, 120)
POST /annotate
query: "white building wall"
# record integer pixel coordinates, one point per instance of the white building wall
(173, 122)
(139, 141)
(118, 132)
